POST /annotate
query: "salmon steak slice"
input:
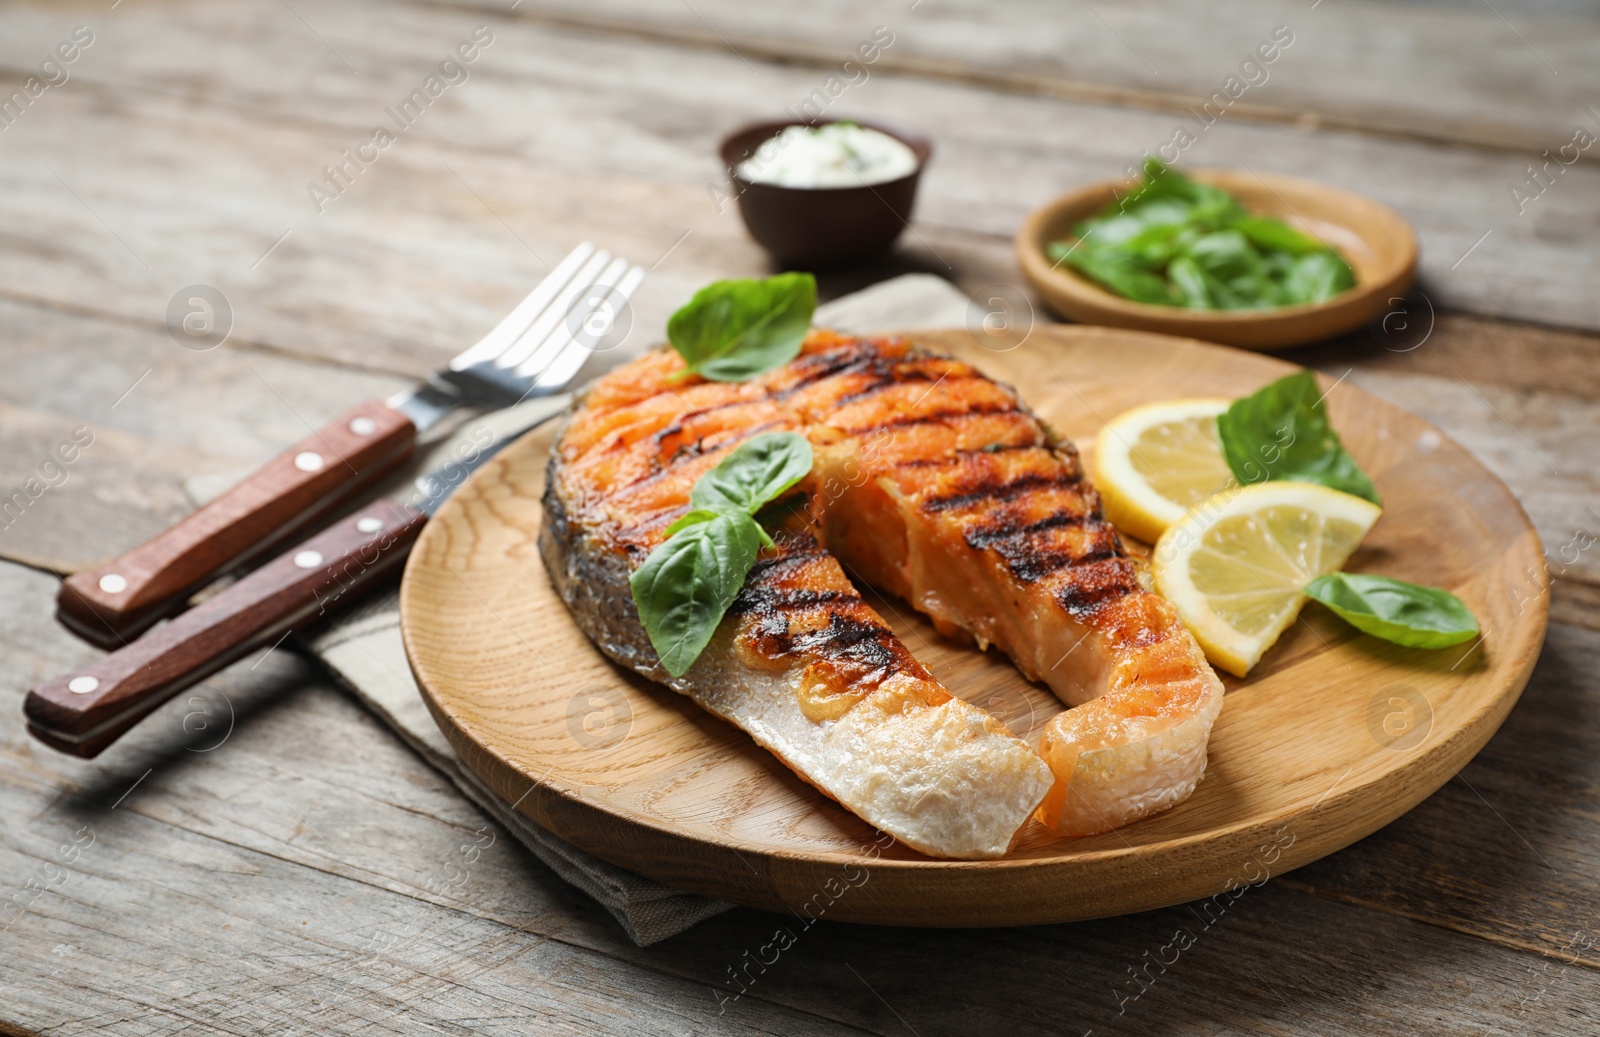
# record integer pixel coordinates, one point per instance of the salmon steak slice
(931, 482)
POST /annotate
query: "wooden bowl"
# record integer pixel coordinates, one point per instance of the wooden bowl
(1378, 244)
(1332, 736)
(810, 228)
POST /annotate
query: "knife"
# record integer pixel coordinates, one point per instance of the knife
(529, 353)
(86, 710)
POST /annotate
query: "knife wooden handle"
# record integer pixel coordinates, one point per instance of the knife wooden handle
(115, 601)
(84, 711)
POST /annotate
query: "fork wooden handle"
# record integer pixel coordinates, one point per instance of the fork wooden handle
(86, 710)
(115, 601)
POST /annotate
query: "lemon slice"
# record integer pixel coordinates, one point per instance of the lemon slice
(1155, 462)
(1236, 566)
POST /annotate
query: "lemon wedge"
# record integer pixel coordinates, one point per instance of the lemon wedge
(1236, 565)
(1153, 463)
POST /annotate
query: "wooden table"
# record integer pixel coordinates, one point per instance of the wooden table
(269, 874)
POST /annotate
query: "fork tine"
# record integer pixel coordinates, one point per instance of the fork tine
(564, 366)
(579, 311)
(553, 314)
(513, 324)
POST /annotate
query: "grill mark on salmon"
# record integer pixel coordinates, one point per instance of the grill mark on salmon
(1008, 529)
(939, 462)
(811, 610)
(696, 448)
(1030, 564)
(999, 491)
(881, 382)
(934, 418)
(1090, 588)
(768, 601)
(888, 375)
(932, 483)
(814, 368)
(785, 562)
(852, 639)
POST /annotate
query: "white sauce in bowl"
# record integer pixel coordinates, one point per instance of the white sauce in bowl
(840, 154)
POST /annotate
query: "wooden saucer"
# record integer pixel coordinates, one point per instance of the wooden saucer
(1376, 241)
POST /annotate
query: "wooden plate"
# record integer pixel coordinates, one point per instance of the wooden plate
(1333, 736)
(1377, 243)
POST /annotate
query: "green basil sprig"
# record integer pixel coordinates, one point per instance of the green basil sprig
(1282, 432)
(1405, 613)
(686, 585)
(761, 468)
(735, 330)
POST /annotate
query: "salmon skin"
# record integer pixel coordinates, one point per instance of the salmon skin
(931, 482)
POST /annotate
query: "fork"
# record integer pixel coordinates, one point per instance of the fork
(534, 351)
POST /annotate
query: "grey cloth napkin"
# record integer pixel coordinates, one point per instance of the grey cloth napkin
(363, 649)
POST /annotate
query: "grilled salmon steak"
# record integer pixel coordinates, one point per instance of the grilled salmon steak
(931, 482)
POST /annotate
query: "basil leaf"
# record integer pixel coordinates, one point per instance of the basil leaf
(692, 518)
(1116, 230)
(734, 330)
(1282, 432)
(1191, 282)
(1405, 613)
(1268, 233)
(686, 585)
(1162, 182)
(1153, 246)
(759, 469)
(1121, 272)
(1318, 276)
(1227, 254)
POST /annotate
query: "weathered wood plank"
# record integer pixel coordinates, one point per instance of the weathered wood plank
(285, 949)
(409, 257)
(137, 414)
(229, 403)
(1417, 338)
(1444, 74)
(1270, 964)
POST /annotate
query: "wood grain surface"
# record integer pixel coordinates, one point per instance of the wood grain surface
(291, 878)
(1332, 737)
(489, 188)
(1441, 73)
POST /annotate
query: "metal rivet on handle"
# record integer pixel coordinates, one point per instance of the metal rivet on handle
(363, 426)
(308, 461)
(113, 583)
(83, 685)
(308, 559)
(369, 524)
